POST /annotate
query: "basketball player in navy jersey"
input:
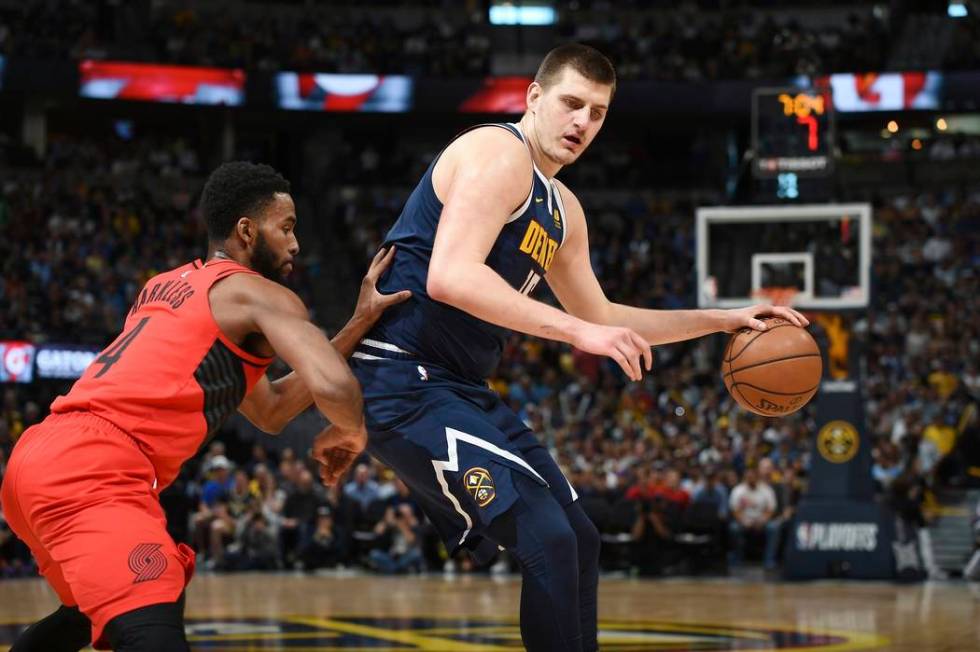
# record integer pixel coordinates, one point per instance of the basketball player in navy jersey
(485, 225)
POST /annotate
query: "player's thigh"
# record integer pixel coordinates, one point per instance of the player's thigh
(540, 459)
(459, 465)
(10, 503)
(117, 557)
(85, 496)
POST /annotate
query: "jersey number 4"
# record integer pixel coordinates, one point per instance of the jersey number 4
(111, 355)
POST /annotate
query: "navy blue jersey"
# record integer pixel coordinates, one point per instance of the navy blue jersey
(435, 332)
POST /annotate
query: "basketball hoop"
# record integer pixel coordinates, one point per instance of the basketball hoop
(776, 296)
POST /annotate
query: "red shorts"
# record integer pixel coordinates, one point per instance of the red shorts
(81, 494)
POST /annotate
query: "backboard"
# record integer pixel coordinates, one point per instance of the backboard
(818, 256)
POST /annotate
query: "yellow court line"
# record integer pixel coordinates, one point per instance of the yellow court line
(263, 636)
(428, 643)
(853, 640)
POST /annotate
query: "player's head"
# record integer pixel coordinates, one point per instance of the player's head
(568, 100)
(247, 208)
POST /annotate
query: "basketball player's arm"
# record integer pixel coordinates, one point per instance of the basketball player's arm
(482, 177)
(574, 283)
(280, 316)
(272, 404)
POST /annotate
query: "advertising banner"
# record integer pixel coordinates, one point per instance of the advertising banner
(114, 80)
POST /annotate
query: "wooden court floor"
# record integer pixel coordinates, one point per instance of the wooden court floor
(235, 613)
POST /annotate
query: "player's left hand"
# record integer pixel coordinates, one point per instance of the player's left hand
(336, 449)
(749, 317)
(370, 302)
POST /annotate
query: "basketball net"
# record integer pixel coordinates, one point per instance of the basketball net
(776, 296)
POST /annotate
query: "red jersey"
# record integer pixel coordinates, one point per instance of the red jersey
(172, 377)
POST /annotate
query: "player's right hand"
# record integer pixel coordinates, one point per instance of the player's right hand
(621, 344)
(336, 449)
(370, 302)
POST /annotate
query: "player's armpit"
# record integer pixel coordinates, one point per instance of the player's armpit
(571, 277)
(281, 318)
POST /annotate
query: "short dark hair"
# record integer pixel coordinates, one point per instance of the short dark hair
(235, 189)
(583, 59)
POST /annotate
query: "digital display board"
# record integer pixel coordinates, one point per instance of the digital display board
(792, 132)
(113, 80)
(328, 92)
(499, 95)
(63, 360)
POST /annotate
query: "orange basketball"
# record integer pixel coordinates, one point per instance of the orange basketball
(772, 372)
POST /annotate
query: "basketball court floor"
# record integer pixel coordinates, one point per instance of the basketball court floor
(345, 611)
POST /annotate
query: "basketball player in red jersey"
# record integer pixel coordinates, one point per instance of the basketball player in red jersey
(81, 487)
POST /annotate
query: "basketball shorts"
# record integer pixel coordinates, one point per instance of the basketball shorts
(454, 443)
(80, 493)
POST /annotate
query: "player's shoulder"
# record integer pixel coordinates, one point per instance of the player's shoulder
(490, 143)
(573, 207)
(253, 291)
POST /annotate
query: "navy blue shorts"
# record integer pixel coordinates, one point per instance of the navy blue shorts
(453, 442)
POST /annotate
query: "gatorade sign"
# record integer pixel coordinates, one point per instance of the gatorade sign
(64, 360)
(16, 361)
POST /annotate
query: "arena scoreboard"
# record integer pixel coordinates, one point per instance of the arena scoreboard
(792, 133)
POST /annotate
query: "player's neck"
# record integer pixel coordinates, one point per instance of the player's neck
(545, 165)
(218, 252)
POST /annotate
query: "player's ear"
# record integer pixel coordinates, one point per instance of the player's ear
(246, 228)
(534, 92)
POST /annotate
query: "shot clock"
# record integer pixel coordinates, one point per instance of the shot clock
(792, 133)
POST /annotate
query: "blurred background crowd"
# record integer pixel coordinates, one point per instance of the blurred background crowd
(691, 40)
(675, 475)
(677, 478)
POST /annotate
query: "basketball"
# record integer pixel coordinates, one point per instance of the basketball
(773, 372)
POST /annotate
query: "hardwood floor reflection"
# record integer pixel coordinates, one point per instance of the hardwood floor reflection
(468, 614)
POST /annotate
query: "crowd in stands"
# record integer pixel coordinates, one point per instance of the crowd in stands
(689, 41)
(677, 478)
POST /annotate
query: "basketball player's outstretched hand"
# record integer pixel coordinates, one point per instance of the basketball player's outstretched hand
(625, 346)
(370, 302)
(336, 449)
(749, 317)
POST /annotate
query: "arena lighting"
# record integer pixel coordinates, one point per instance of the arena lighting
(892, 127)
(941, 124)
(956, 10)
(916, 144)
(507, 13)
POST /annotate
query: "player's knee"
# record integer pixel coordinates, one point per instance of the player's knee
(155, 628)
(558, 540)
(587, 536)
(66, 630)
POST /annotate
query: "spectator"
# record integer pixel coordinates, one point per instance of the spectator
(256, 548)
(752, 505)
(362, 490)
(298, 516)
(326, 547)
(399, 550)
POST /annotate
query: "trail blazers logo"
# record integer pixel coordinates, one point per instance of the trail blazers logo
(838, 442)
(147, 562)
(480, 485)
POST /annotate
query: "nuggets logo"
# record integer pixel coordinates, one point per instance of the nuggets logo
(479, 484)
(838, 442)
(557, 219)
(147, 562)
